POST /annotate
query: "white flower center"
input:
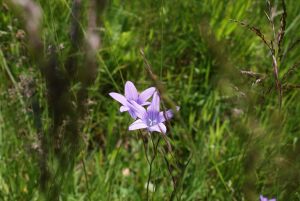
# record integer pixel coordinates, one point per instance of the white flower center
(152, 122)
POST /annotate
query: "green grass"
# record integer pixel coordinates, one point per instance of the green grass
(230, 142)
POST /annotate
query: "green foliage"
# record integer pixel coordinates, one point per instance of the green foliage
(234, 140)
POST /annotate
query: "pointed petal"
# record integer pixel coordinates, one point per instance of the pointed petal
(139, 110)
(155, 102)
(124, 108)
(162, 128)
(145, 103)
(138, 124)
(130, 91)
(146, 94)
(159, 128)
(118, 97)
(132, 113)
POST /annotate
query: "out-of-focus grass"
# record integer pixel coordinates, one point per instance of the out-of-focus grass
(239, 145)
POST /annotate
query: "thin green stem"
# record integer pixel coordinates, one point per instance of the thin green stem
(86, 179)
(151, 162)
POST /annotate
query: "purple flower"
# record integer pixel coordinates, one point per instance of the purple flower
(262, 198)
(131, 94)
(151, 119)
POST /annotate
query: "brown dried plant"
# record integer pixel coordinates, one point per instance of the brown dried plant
(275, 46)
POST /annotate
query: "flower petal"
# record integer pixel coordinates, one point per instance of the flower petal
(146, 94)
(145, 103)
(118, 97)
(262, 198)
(130, 91)
(159, 128)
(138, 124)
(132, 113)
(155, 102)
(139, 110)
(124, 108)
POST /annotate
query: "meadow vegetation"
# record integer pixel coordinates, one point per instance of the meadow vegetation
(235, 137)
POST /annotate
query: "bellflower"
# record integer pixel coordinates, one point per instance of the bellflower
(262, 198)
(132, 95)
(151, 119)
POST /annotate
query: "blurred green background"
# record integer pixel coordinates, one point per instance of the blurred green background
(231, 141)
